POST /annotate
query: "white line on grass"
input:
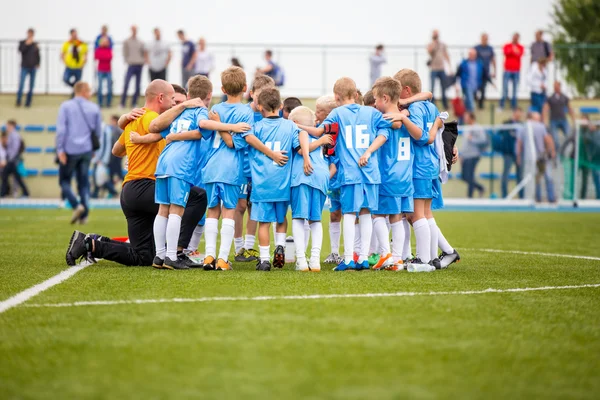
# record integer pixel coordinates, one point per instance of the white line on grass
(537, 253)
(40, 287)
(309, 297)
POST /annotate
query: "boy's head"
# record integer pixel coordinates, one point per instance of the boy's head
(289, 104)
(260, 83)
(517, 114)
(180, 94)
(233, 80)
(410, 82)
(200, 87)
(325, 104)
(344, 90)
(114, 120)
(302, 115)
(387, 93)
(269, 101)
(11, 125)
(369, 99)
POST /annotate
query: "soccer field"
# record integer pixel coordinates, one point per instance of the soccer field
(113, 332)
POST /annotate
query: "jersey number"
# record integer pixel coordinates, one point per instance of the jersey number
(404, 149)
(181, 126)
(362, 139)
(217, 140)
(275, 146)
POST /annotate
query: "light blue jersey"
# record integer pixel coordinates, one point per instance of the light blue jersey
(396, 164)
(358, 127)
(426, 164)
(319, 179)
(180, 158)
(334, 182)
(271, 182)
(225, 165)
(205, 146)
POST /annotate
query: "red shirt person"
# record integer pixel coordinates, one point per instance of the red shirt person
(513, 52)
(103, 55)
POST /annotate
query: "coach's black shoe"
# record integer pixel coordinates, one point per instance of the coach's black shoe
(158, 263)
(447, 259)
(177, 264)
(263, 266)
(279, 257)
(210, 264)
(77, 248)
(436, 263)
(188, 261)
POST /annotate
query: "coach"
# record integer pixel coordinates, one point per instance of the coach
(137, 195)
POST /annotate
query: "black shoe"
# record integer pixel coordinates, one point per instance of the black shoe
(436, 263)
(177, 264)
(263, 266)
(279, 257)
(158, 262)
(447, 259)
(188, 261)
(77, 248)
(209, 263)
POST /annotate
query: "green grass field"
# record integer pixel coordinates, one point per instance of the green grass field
(529, 344)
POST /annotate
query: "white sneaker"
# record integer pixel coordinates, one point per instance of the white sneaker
(301, 265)
(314, 265)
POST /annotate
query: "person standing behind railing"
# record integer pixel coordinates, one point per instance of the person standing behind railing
(30, 62)
(513, 52)
(506, 144)
(555, 112)
(439, 54)
(74, 55)
(474, 143)
(485, 53)
(187, 55)
(14, 148)
(158, 56)
(376, 61)
(103, 35)
(104, 56)
(538, 74)
(470, 74)
(133, 53)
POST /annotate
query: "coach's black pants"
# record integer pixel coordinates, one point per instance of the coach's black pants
(137, 202)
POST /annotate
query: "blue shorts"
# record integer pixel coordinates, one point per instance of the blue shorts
(359, 196)
(244, 191)
(437, 203)
(170, 190)
(218, 191)
(307, 203)
(389, 205)
(334, 197)
(269, 211)
(427, 188)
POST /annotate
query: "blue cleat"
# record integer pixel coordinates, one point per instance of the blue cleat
(345, 267)
(363, 265)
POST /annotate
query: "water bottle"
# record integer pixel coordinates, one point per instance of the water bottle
(290, 250)
(420, 268)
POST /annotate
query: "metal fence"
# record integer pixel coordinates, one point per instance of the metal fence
(310, 70)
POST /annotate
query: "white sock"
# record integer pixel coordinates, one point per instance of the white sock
(211, 230)
(334, 236)
(357, 238)
(406, 245)
(264, 253)
(160, 236)
(238, 244)
(374, 245)
(280, 238)
(443, 243)
(196, 236)
(349, 232)
(317, 240)
(227, 229)
(249, 242)
(423, 236)
(433, 229)
(299, 237)
(397, 240)
(365, 222)
(306, 234)
(382, 234)
(173, 228)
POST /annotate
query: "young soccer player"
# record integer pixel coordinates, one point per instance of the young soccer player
(308, 193)
(289, 104)
(358, 127)
(271, 175)
(244, 246)
(369, 99)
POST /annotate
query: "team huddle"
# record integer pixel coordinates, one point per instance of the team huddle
(380, 165)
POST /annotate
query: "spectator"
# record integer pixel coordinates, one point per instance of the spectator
(133, 52)
(377, 60)
(10, 159)
(104, 56)
(103, 35)
(513, 52)
(158, 56)
(537, 82)
(115, 166)
(78, 120)
(438, 53)
(187, 55)
(470, 73)
(507, 140)
(474, 143)
(30, 62)
(101, 161)
(272, 69)
(74, 55)
(542, 155)
(590, 156)
(203, 60)
(555, 111)
(540, 48)
(485, 53)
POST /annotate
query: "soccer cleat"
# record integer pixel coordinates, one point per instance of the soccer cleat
(314, 265)
(239, 256)
(363, 265)
(77, 249)
(158, 263)
(374, 259)
(333, 258)
(447, 259)
(351, 266)
(197, 257)
(436, 263)
(77, 213)
(254, 254)
(383, 262)
(223, 265)
(263, 266)
(302, 265)
(355, 257)
(188, 261)
(397, 266)
(174, 264)
(279, 257)
(209, 263)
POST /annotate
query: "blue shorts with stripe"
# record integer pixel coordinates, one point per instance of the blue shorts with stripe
(307, 203)
(358, 196)
(171, 190)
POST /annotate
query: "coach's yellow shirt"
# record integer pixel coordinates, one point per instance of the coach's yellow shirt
(142, 158)
(68, 51)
